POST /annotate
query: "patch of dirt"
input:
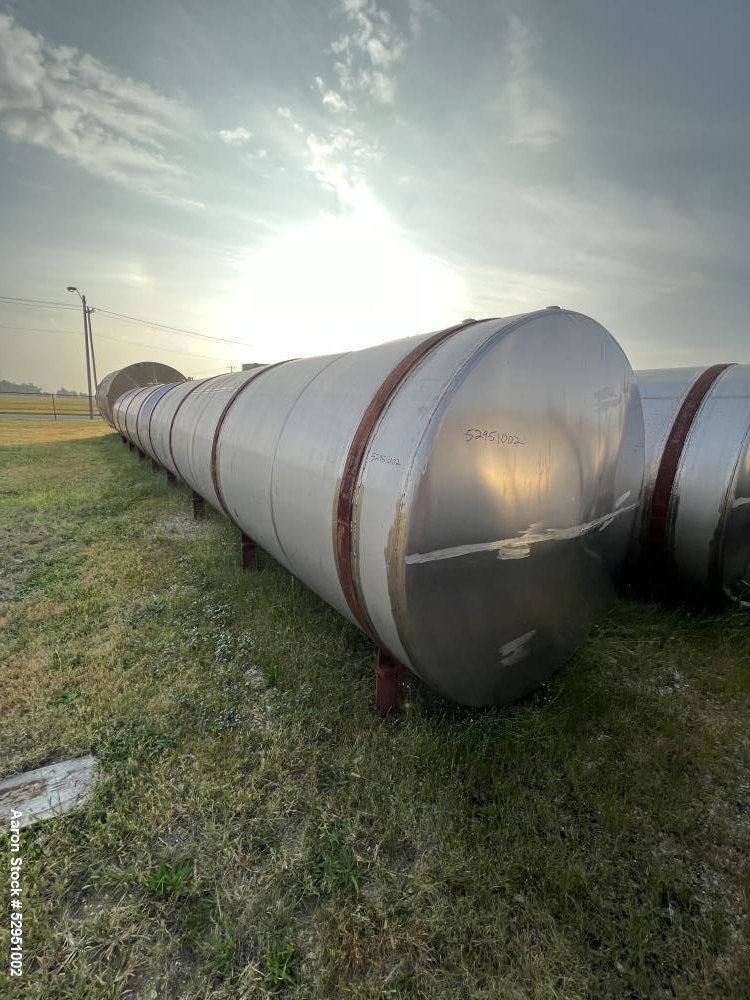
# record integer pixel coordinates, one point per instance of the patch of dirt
(178, 526)
(44, 610)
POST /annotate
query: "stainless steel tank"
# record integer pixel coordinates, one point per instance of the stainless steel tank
(464, 497)
(142, 373)
(695, 522)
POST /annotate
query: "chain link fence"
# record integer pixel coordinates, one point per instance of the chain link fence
(45, 404)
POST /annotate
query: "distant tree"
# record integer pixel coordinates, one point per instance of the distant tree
(67, 392)
(6, 385)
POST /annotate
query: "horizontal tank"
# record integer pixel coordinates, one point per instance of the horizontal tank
(142, 373)
(694, 528)
(465, 498)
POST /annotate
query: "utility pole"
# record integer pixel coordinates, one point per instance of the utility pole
(89, 310)
(72, 288)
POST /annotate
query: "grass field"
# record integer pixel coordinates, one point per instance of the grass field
(11, 402)
(257, 832)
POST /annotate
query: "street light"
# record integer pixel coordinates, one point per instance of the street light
(86, 337)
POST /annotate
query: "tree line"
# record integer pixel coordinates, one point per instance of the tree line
(7, 385)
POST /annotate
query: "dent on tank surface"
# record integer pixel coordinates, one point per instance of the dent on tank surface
(465, 497)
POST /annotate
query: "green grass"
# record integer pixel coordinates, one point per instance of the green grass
(257, 832)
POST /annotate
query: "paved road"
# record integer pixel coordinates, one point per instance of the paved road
(44, 416)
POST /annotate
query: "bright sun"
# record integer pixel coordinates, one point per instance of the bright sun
(339, 284)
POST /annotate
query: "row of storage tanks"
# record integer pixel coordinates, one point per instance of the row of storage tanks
(468, 497)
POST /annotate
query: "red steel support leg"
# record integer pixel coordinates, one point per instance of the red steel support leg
(249, 550)
(130, 446)
(389, 683)
(171, 478)
(141, 455)
(154, 465)
(199, 506)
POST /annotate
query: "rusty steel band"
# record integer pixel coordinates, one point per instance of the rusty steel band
(135, 392)
(220, 423)
(345, 503)
(201, 381)
(670, 458)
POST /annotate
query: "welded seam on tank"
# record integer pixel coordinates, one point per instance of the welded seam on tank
(215, 477)
(195, 415)
(304, 389)
(130, 436)
(661, 495)
(116, 411)
(134, 393)
(148, 392)
(344, 508)
(519, 546)
(124, 424)
(177, 410)
(167, 390)
(137, 432)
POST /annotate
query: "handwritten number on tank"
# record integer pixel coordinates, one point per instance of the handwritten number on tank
(494, 437)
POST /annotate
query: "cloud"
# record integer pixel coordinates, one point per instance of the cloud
(365, 56)
(368, 51)
(338, 161)
(420, 9)
(284, 112)
(536, 115)
(69, 103)
(236, 136)
(331, 98)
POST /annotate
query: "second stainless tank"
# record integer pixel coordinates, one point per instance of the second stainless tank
(695, 524)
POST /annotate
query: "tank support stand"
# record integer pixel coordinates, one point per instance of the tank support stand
(389, 683)
(154, 465)
(171, 478)
(248, 550)
(199, 506)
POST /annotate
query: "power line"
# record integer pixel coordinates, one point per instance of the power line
(162, 326)
(13, 300)
(117, 340)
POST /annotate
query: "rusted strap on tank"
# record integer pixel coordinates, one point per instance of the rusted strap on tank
(670, 457)
(350, 476)
(252, 375)
(200, 382)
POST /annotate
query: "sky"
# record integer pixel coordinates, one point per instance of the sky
(278, 178)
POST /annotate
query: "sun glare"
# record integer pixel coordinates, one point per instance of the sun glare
(339, 284)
